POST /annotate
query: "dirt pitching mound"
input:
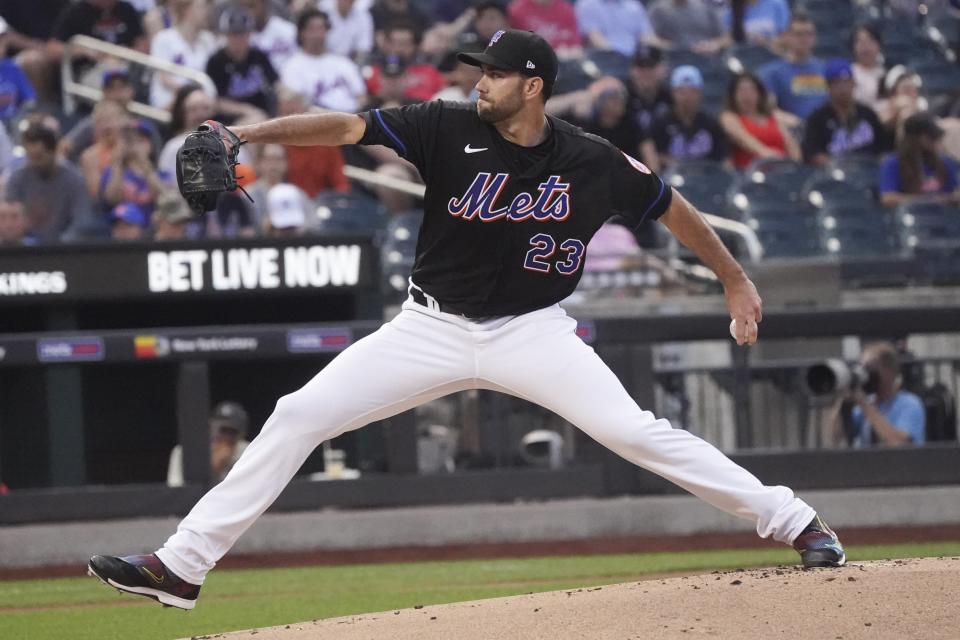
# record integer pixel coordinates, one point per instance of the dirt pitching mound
(891, 599)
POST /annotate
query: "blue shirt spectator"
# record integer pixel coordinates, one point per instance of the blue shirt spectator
(763, 20)
(797, 80)
(919, 168)
(15, 89)
(891, 182)
(904, 411)
(614, 24)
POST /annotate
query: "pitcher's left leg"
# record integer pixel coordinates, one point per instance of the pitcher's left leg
(542, 360)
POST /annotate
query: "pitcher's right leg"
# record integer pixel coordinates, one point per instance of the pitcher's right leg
(413, 359)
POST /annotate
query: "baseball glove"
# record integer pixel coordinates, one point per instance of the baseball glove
(206, 165)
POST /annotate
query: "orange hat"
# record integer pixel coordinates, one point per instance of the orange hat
(246, 174)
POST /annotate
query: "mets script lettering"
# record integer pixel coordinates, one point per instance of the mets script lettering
(552, 201)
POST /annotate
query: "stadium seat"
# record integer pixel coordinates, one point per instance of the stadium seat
(858, 170)
(610, 63)
(939, 77)
(860, 231)
(938, 264)
(349, 212)
(572, 76)
(705, 184)
(781, 170)
(748, 57)
(748, 196)
(826, 191)
(928, 222)
(785, 238)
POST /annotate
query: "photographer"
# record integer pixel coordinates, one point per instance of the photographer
(878, 411)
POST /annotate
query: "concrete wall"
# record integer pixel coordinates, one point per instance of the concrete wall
(53, 544)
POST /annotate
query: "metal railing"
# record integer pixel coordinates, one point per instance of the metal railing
(73, 89)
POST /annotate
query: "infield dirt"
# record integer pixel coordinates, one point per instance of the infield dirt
(918, 598)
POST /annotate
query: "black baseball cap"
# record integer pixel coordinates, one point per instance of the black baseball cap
(922, 124)
(515, 50)
(236, 21)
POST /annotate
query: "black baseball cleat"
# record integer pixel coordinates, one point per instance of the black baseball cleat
(819, 546)
(145, 576)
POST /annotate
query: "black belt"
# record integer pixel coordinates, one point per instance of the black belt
(420, 298)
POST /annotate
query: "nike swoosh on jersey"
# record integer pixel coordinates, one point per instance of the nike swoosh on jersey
(469, 149)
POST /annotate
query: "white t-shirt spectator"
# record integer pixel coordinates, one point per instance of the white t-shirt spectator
(330, 81)
(351, 34)
(170, 45)
(277, 39)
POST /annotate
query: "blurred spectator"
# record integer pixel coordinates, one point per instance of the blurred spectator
(112, 21)
(117, 88)
(16, 92)
(610, 119)
(397, 202)
(132, 176)
(619, 25)
(171, 217)
(191, 107)
(157, 19)
(554, 20)
(351, 28)
(228, 424)
(764, 21)
(612, 248)
(27, 32)
(273, 35)
(109, 121)
(919, 167)
(286, 216)
(392, 81)
(6, 153)
(461, 79)
(883, 413)
(186, 43)
(902, 99)
(244, 77)
(797, 81)
(421, 79)
(329, 80)
(491, 16)
(868, 69)
(686, 132)
(233, 217)
(313, 169)
(752, 125)
(842, 125)
(694, 25)
(52, 192)
(271, 171)
(13, 225)
(649, 95)
(385, 13)
(128, 223)
(28, 28)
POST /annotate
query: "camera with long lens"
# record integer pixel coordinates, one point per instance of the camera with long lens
(836, 376)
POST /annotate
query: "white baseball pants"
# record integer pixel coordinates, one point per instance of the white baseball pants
(424, 354)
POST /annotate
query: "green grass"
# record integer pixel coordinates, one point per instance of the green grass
(80, 608)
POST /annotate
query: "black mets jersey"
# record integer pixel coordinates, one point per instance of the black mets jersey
(505, 227)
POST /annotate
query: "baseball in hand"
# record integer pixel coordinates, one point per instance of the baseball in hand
(733, 328)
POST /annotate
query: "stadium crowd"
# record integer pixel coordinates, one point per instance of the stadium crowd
(854, 102)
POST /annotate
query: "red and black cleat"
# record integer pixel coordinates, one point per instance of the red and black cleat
(819, 546)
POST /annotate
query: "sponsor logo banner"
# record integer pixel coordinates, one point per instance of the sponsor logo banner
(70, 349)
(151, 346)
(33, 283)
(318, 340)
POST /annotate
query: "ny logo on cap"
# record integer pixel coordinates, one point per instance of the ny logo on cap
(496, 37)
(530, 65)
